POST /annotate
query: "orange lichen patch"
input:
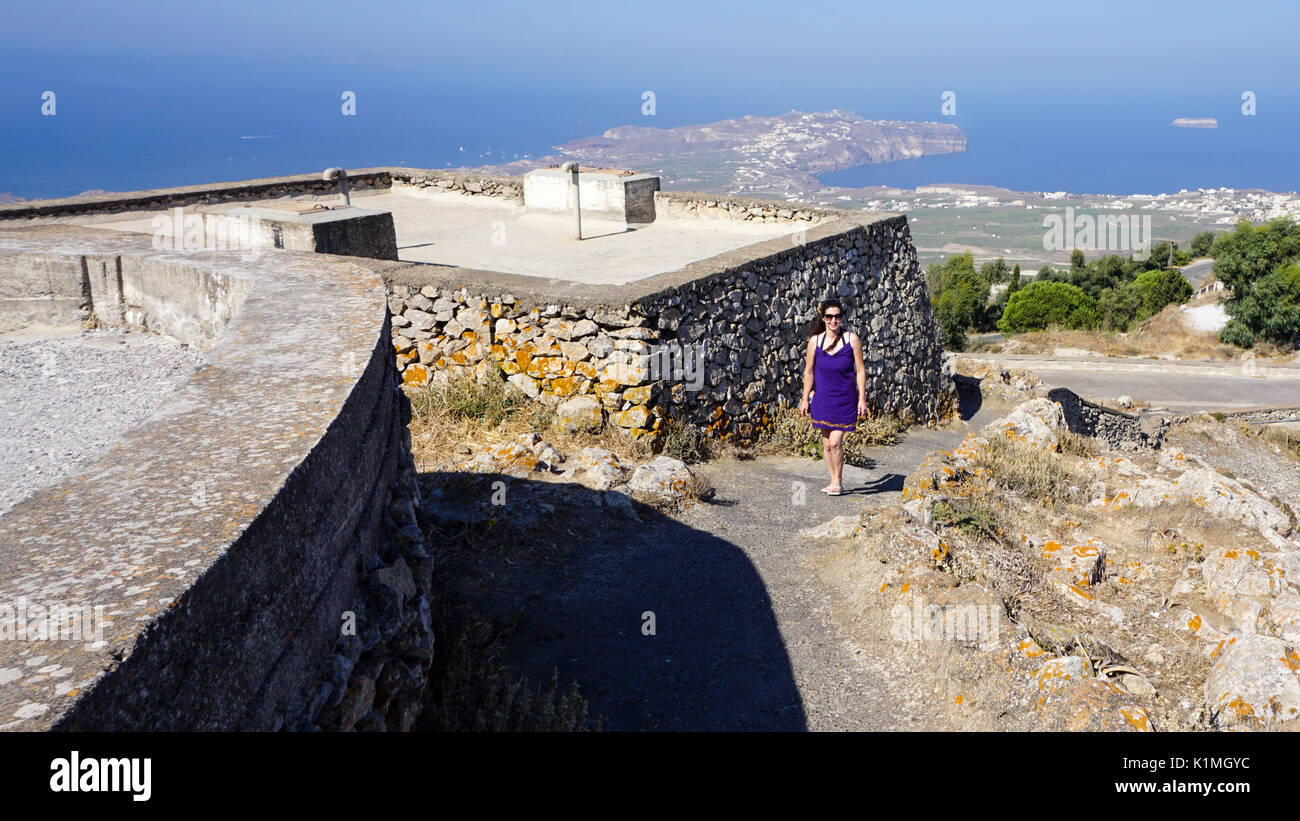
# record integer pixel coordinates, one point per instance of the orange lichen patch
(607, 386)
(1230, 554)
(958, 699)
(1086, 551)
(1291, 659)
(459, 358)
(1194, 624)
(1079, 591)
(1030, 648)
(1137, 717)
(403, 358)
(883, 586)
(586, 369)
(469, 336)
(1254, 554)
(497, 351)
(1240, 707)
(415, 375)
(566, 385)
(549, 367)
(906, 587)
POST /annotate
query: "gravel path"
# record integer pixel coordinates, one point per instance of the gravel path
(66, 397)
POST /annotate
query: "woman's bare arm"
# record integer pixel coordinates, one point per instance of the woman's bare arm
(860, 371)
(809, 357)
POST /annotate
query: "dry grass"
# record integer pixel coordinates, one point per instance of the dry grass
(1033, 473)
(471, 690)
(461, 413)
(790, 434)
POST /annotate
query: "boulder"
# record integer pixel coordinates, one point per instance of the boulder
(579, 413)
(662, 476)
(600, 468)
(1253, 682)
(1038, 422)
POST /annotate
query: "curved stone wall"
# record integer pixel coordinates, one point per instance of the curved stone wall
(231, 537)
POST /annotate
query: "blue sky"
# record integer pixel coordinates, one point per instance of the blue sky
(1150, 44)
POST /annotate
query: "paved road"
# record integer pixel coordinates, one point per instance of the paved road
(1185, 387)
(1177, 392)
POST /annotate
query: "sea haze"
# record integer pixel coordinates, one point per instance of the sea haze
(125, 124)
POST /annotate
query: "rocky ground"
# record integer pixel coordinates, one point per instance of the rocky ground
(1001, 573)
(1100, 589)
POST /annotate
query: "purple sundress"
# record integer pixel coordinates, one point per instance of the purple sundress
(834, 404)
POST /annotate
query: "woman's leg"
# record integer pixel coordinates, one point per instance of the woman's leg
(826, 454)
(835, 457)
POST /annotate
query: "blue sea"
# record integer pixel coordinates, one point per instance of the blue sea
(123, 124)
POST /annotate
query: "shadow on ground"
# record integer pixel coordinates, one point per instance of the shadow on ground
(576, 579)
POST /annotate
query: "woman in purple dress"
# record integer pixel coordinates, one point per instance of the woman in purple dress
(835, 376)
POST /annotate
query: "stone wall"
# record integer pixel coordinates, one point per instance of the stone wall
(691, 205)
(235, 537)
(718, 344)
(479, 185)
(1118, 430)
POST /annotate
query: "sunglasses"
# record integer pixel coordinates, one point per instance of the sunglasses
(832, 316)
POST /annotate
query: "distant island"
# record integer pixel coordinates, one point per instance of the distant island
(1196, 122)
(777, 155)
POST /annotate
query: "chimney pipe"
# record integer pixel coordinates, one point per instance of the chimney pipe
(342, 176)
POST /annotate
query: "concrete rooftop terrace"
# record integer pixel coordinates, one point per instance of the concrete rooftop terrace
(496, 234)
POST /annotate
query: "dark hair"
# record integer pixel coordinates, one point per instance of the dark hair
(818, 324)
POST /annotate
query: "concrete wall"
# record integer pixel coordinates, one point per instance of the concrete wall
(231, 534)
(623, 197)
(207, 193)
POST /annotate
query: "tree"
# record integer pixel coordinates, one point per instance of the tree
(1077, 262)
(995, 271)
(959, 298)
(1015, 280)
(1045, 274)
(1119, 306)
(1270, 312)
(1251, 252)
(1255, 262)
(1156, 289)
(1040, 304)
(1202, 243)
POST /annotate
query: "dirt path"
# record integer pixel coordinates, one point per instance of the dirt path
(745, 631)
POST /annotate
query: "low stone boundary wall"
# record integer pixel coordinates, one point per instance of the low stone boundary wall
(719, 343)
(484, 185)
(692, 205)
(1263, 416)
(252, 546)
(1118, 430)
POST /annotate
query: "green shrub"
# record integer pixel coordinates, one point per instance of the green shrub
(1043, 303)
(1160, 288)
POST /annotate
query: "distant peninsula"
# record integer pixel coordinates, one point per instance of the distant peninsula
(777, 155)
(1196, 122)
